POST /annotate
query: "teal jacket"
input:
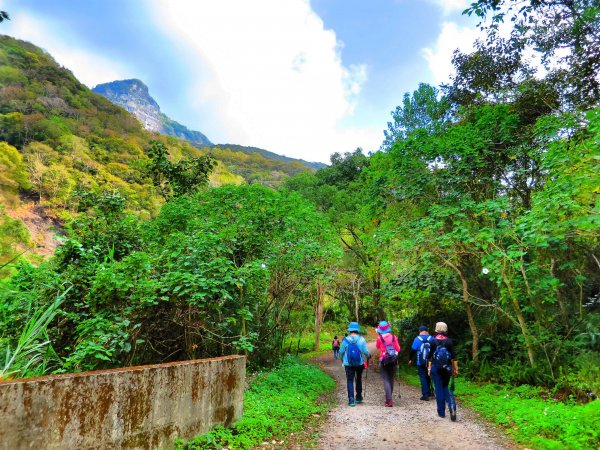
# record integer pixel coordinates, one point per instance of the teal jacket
(362, 346)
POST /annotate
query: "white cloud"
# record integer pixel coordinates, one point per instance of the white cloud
(87, 67)
(273, 73)
(439, 56)
(449, 7)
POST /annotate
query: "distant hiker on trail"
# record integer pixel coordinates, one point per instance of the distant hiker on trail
(441, 366)
(388, 347)
(354, 353)
(335, 345)
(420, 351)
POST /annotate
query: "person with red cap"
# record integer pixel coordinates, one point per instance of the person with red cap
(389, 348)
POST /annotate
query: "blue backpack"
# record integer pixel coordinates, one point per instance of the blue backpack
(354, 355)
(423, 352)
(441, 355)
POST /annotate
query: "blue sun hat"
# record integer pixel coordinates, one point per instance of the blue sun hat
(384, 327)
(354, 326)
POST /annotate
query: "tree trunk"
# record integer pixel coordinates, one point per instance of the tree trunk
(522, 324)
(356, 294)
(377, 293)
(470, 319)
(319, 315)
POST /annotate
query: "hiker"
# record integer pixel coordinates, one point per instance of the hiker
(442, 365)
(388, 347)
(420, 350)
(335, 345)
(354, 354)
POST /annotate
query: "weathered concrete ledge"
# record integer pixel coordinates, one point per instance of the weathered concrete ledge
(143, 407)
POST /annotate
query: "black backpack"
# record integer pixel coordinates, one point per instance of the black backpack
(390, 357)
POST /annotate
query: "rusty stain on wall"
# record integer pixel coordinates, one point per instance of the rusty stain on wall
(143, 407)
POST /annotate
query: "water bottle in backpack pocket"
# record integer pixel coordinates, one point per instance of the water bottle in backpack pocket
(354, 355)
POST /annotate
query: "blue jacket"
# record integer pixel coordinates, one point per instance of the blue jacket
(362, 346)
(416, 346)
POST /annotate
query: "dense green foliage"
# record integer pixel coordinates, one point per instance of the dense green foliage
(277, 404)
(482, 208)
(218, 273)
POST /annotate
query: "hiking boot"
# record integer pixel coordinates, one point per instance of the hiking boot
(389, 403)
(352, 403)
(453, 415)
(426, 399)
(359, 400)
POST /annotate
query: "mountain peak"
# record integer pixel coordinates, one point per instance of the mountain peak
(134, 96)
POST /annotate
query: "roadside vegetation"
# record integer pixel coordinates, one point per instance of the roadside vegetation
(279, 406)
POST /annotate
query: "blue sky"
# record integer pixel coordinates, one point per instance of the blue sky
(297, 77)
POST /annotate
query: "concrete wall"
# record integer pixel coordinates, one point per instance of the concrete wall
(142, 407)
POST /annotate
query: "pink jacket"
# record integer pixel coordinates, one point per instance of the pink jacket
(387, 338)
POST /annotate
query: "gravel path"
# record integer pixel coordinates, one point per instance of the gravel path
(411, 423)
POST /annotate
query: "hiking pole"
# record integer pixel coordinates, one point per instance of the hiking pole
(365, 383)
(452, 399)
(431, 388)
(399, 395)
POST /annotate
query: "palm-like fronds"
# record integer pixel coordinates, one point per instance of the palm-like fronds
(33, 348)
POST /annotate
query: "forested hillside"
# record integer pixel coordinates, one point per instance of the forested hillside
(482, 209)
(60, 141)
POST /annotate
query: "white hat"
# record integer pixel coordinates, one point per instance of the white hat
(441, 327)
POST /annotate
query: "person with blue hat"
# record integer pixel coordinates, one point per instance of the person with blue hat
(389, 348)
(421, 348)
(354, 353)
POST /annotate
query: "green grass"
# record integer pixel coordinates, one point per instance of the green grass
(527, 416)
(277, 404)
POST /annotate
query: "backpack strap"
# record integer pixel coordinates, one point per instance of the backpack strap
(383, 340)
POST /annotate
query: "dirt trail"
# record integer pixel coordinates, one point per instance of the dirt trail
(411, 423)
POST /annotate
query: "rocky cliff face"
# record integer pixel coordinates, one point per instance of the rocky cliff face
(133, 95)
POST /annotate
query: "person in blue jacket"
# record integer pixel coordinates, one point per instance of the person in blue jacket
(354, 353)
(420, 350)
(443, 365)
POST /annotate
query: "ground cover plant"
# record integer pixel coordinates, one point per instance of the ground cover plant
(277, 403)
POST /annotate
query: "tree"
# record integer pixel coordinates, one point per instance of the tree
(565, 33)
(424, 110)
(179, 178)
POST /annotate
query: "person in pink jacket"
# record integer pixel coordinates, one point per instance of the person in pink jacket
(389, 348)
